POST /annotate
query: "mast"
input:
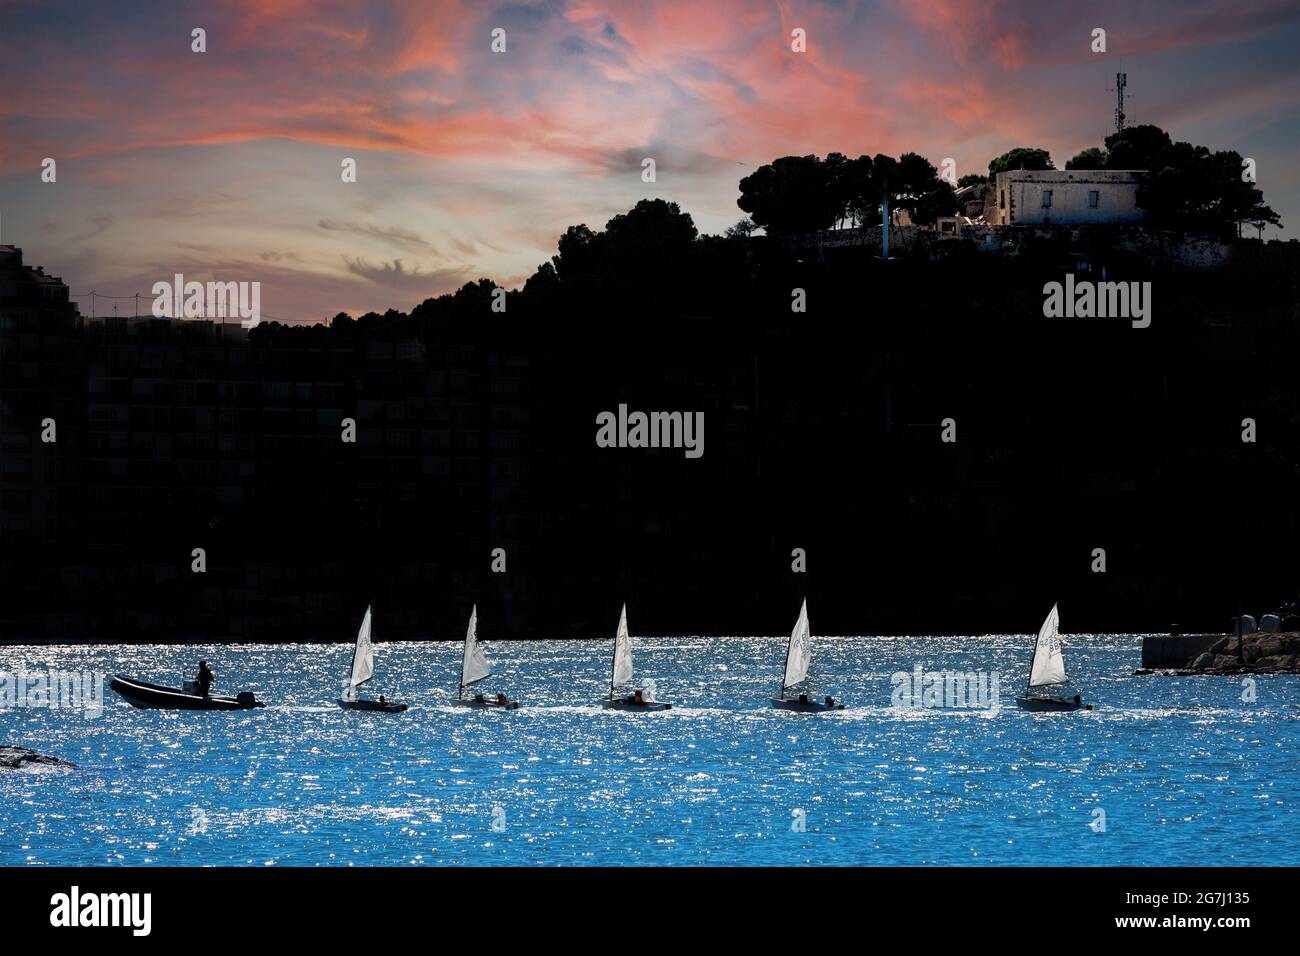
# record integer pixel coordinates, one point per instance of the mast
(788, 645)
(613, 662)
(1032, 657)
(352, 668)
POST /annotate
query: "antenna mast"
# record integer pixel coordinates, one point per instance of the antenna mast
(1121, 81)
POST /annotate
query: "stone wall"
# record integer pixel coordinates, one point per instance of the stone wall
(1161, 651)
(1258, 653)
(1161, 248)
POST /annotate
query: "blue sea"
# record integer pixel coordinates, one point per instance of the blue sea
(1165, 770)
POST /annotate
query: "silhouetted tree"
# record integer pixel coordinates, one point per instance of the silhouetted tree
(1022, 157)
(1191, 188)
(918, 189)
(576, 252)
(1136, 147)
(542, 281)
(743, 227)
(862, 193)
(652, 239)
(789, 195)
(839, 172)
(1090, 158)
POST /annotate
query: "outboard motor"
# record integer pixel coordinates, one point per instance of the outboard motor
(246, 698)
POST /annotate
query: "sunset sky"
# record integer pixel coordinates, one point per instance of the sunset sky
(226, 164)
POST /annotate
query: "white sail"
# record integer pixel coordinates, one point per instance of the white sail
(799, 651)
(622, 653)
(474, 667)
(363, 658)
(1048, 666)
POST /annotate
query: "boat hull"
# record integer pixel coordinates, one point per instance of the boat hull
(487, 704)
(372, 706)
(812, 707)
(148, 696)
(1049, 704)
(632, 706)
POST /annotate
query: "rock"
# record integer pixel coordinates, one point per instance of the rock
(1291, 643)
(1270, 646)
(1202, 661)
(1233, 647)
(1271, 663)
(11, 758)
(1250, 652)
(1220, 646)
(1223, 662)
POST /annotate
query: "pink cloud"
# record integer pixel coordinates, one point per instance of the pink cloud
(493, 155)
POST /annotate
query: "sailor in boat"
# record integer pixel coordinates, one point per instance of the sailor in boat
(636, 698)
(203, 680)
(502, 700)
(383, 702)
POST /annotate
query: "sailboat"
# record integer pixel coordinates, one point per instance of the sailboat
(798, 653)
(474, 667)
(1047, 669)
(363, 668)
(621, 675)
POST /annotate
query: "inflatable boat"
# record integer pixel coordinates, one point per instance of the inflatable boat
(138, 693)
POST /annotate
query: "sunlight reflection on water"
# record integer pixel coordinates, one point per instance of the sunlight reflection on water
(1185, 771)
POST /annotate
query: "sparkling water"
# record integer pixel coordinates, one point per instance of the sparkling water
(1165, 770)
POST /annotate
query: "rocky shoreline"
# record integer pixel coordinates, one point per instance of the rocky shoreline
(1258, 653)
(13, 758)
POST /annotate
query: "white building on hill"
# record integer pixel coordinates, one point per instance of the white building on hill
(1064, 197)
